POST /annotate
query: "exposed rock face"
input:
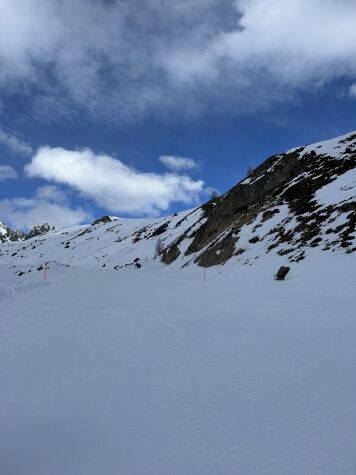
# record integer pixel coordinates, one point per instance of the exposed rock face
(218, 253)
(171, 254)
(8, 234)
(242, 203)
(38, 231)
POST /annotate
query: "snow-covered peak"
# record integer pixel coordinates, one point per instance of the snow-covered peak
(105, 219)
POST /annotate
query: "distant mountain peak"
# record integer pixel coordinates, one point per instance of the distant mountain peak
(8, 234)
(104, 220)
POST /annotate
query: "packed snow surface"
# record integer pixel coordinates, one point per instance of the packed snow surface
(156, 371)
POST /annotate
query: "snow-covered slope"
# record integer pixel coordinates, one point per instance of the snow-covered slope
(124, 242)
(161, 372)
(293, 202)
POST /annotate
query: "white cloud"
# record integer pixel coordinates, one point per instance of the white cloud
(294, 42)
(15, 144)
(7, 173)
(352, 91)
(51, 193)
(125, 60)
(172, 162)
(112, 184)
(24, 213)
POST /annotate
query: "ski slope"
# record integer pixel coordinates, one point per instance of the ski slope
(156, 371)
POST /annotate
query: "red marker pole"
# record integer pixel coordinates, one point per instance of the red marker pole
(45, 270)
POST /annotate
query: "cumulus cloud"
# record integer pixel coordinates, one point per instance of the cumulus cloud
(127, 60)
(112, 184)
(24, 213)
(7, 173)
(294, 42)
(172, 162)
(15, 144)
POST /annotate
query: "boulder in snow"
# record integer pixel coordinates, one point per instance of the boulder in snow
(282, 272)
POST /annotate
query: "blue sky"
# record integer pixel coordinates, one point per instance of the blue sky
(143, 108)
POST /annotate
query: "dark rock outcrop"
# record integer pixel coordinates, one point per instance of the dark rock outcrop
(282, 272)
(39, 230)
(171, 254)
(102, 220)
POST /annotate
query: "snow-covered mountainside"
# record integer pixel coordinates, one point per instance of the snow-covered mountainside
(293, 202)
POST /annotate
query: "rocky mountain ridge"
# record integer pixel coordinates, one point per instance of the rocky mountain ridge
(291, 205)
(8, 234)
(295, 182)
